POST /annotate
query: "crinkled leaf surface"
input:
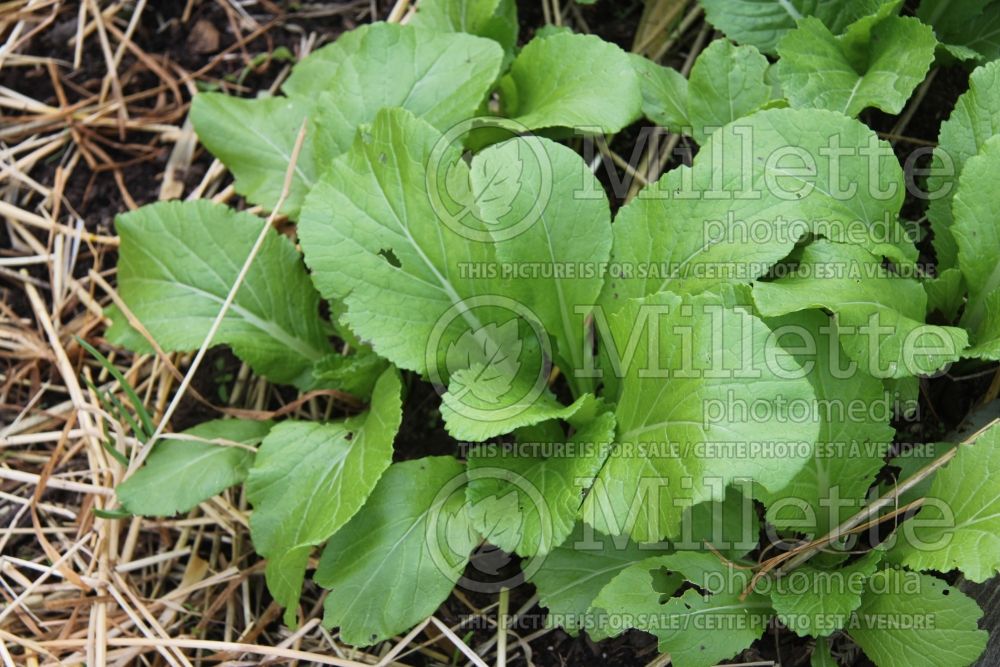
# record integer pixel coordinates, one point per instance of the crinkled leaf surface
(541, 485)
(977, 236)
(180, 473)
(704, 351)
(697, 629)
(762, 23)
(176, 265)
(310, 478)
(854, 434)
(398, 558)
(574, 81)
(908, 619)
(813, 601)
(975, 118)
(691, 229)
(390, 65)
(880, 315)
(816, 69)
(964, 499)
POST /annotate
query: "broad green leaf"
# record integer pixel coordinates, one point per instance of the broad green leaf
(572, 230)
(968, 29)
(355, 373)
(734, 213)
(727, 82)
(399, 557)
(176, 265)
(180, 473)
(880, 315)
(959, 523)
(441, 77)
(977, 236)
(574, 573)
(310, 478)
(690, 363)
(975, 118)
(255, 139)
(813, 601)
(393, 232)
(496, 19)
(988, 333)
(816, 69)
(698, 629)
(854, 433)
(946, 293)
(574, 81)
(908, 619)
(762, 23)
(664, 94)
(525, 498)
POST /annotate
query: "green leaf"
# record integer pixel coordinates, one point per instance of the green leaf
(692, 359)
(968, 29)
(176, 265)
(854, 434)
(977, 236)
(762, 23)
(703, 625)
(728, 218)
(574, 81)
(727, 82)
(572, 230)
(496, 19)
(355, 373)
(880, 315)
(910, 619)
(390, 65)
(664, 94)
(816, 69)
(310, 478)
(574, 573)
(822, 656)
(398, 558)
(946, 293)
(813, 601)
(255, 140)
(970, 125)
(179, 474)
(959, 523)
(525, 498)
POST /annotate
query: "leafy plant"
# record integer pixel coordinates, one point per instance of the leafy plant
(628, 386)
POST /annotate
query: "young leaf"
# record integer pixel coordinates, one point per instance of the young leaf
(727, 82)
(908, 619)
(573, 230)
(664, 94)
(813, 601)
(355, 373)
(854, 433)
(822, 656)
(729, 217)
(179, 474)
(574, 81)
(390, 65)
(255, 140)
(880, 315)
(496, 19)
(762, 23)
(310, 478)
(574, 573)
(977, 236)
(816, 70)
(398, 558)
(959, 524)
(970, 125)
(544, 491)
(705, 624)
(176, 265)
(691, 359)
